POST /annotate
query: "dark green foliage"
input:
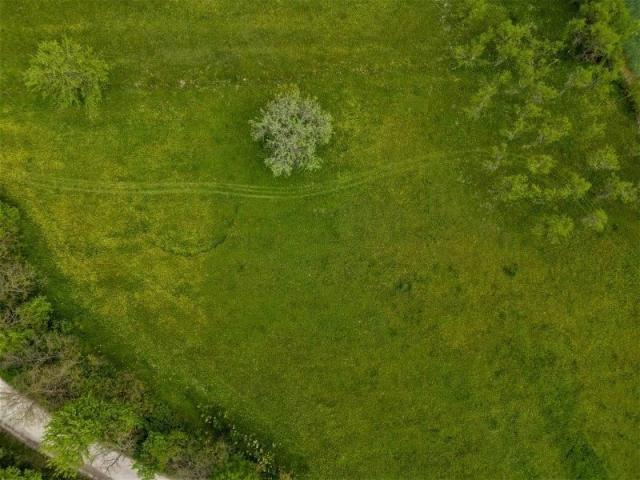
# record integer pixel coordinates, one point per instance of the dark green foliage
(601, 31)
(18, 281)
(20, 462)
(13, 473)
(181, 455)
(292, 128)
(633, 45)
(244, 443)
(68, 74)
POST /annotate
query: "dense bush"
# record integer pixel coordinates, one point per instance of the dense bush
(68, 74)
(18, 462)
(291, 128)
(13, 473)
(181, 455)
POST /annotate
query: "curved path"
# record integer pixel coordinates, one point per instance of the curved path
(54, 184)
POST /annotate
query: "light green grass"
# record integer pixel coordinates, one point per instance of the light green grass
(373, 330)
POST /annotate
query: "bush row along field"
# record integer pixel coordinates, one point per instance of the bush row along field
(93, 402)
(18, 462)
(406, 327)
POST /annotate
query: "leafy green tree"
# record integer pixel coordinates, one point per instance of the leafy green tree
(291, 128)
(68, 74)
(84, 422)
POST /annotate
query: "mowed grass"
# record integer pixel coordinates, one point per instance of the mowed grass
(394, 328)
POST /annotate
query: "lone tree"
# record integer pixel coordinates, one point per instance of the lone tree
(291, 128)
(69, 74)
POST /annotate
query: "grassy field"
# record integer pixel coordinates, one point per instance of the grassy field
(376, 318)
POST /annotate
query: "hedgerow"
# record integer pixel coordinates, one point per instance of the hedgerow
(92, 401)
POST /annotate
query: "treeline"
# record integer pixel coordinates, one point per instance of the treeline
(18, 462)
(92, 401)
(550, 101)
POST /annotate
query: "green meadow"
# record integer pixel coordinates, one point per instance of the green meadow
(379, 318)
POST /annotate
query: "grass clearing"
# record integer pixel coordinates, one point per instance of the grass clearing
(393, 328)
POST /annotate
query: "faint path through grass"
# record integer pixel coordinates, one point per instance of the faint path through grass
(55, 184)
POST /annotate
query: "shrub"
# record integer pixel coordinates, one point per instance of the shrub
(555, 228)
(621, 190)
(17, 281)
(34, 314)
(237, 469)
(69, 74)
(596, 220)
(291, 128)
(9, 231)
(604, 159)
(513, 188)
(13, 473)
(541, 164)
